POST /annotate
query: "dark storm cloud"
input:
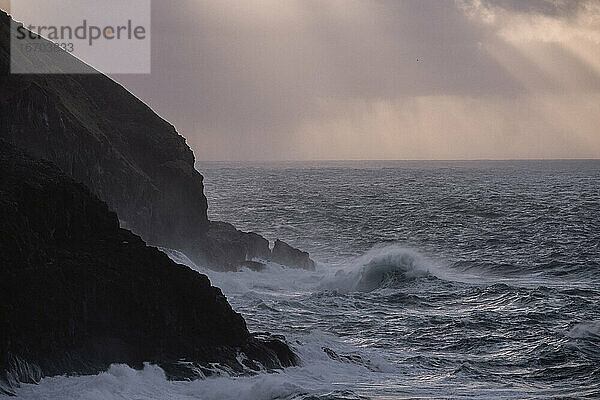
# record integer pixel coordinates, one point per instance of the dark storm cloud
(220, 69)
(556, 8)
(277, 79)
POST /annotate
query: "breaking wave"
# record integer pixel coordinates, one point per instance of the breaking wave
(381, 267)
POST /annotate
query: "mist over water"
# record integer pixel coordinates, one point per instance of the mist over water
(433, 280)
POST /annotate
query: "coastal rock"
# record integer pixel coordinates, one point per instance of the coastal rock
(289, 256)
(223, 247)
(104, 137)
(226, 248)
(101, 135)
(77, 292)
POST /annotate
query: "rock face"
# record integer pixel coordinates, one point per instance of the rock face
(285, 254)
(77, 292)
(104, 137)
(234, 249)
(226, 246)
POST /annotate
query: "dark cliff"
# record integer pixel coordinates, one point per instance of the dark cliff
(77, 292)
(104, 137)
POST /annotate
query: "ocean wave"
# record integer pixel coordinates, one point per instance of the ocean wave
(381, 267)
(585, 330)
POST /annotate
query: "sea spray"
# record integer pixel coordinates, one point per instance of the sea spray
(379, 267)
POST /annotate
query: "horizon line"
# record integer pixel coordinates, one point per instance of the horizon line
(400, 159)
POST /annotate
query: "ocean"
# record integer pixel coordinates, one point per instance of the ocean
(446, 279)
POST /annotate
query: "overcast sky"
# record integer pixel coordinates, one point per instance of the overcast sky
(343, 79)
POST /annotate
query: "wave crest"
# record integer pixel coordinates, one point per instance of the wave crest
(381, 267)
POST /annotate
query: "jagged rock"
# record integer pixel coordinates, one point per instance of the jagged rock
(291, 257)
(77, 292)
(224, 247)
(353, 358)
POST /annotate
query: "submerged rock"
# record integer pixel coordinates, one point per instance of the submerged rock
(77, 292)
(254, 265)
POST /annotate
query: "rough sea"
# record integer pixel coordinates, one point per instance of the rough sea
(434, 280)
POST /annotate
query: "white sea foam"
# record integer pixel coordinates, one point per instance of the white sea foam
(329, 364)
(274, 278)
(380, 266)
(318, 375)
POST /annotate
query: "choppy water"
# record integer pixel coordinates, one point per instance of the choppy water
(434, 280)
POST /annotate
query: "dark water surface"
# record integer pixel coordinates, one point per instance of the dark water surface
(468, 278)
(434, 280)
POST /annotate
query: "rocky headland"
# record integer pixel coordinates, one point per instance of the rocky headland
(85, 167)
(77, 292)
(101, 135)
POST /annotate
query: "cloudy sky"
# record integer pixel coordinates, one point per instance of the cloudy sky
(375, 79)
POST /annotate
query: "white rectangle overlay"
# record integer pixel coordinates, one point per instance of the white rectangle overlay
(81, 36)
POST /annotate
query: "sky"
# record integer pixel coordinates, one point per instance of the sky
(376, 79)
